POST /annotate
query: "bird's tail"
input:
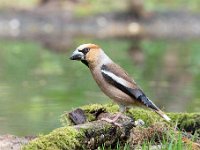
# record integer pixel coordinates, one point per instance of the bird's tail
(148, 103)
(163, 115)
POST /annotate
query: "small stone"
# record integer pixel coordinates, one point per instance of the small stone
(139, 122)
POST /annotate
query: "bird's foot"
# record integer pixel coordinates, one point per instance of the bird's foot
(113, 121)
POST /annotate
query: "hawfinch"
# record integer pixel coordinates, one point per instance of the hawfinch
(113, 80)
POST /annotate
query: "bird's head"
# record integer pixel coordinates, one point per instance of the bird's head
(87, 54)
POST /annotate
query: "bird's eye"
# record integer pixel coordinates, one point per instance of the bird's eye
(85, 50)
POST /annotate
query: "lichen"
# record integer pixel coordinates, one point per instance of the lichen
(61, 138)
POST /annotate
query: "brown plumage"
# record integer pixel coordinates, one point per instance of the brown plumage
(112, 79)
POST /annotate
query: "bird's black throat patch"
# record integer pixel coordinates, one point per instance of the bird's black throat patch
(85, 62)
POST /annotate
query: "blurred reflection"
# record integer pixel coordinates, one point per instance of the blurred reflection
(38, 82)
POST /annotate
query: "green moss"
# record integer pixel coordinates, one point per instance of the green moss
(93, 107)
(149, 117)
(185, 118)
(70, 138)
(61, 138)
(64, 119)
(91, 110)
(187, 121)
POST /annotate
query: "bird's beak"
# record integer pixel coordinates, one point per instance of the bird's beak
(76, 55)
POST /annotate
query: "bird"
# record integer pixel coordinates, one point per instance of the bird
(113, 80)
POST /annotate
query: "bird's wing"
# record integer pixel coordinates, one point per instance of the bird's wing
(118, 78)
(118, 71)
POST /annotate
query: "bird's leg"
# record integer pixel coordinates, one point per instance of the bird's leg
(122, 109)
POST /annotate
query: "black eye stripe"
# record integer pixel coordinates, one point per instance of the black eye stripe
(84, 51)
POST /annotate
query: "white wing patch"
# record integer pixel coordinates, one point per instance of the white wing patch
(115, 77)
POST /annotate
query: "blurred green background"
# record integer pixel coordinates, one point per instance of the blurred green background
(37, 84)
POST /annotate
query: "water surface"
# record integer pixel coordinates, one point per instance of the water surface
(38, 85)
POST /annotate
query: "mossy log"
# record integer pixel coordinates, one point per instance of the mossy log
(85, 136)
(84, 128)
(189, 122)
